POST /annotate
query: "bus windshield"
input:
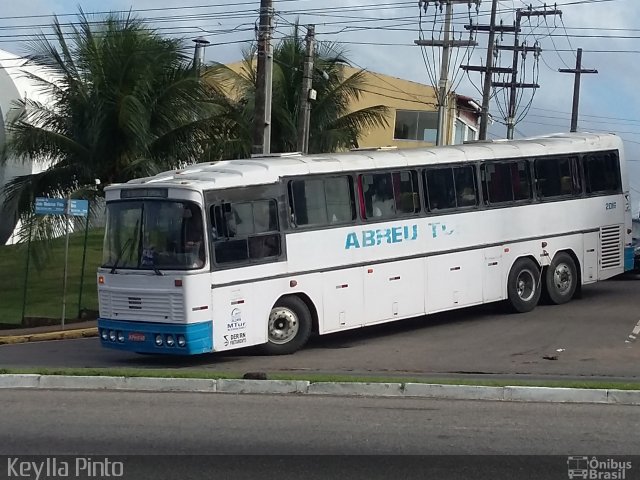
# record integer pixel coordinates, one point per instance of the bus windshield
(154, 235)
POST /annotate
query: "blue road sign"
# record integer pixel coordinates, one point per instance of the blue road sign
(79, 208)
(50, 206)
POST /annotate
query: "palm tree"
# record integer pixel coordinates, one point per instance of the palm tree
(125, 103)
(333, 125)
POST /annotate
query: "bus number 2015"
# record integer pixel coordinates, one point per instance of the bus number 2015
(610, 205)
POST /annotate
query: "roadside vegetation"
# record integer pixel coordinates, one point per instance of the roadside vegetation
(127, 102)
(44, 288)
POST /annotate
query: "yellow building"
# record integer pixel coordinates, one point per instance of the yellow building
(413, 113)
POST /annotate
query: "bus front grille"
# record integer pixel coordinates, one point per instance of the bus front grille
(147, 306)
(611, 247)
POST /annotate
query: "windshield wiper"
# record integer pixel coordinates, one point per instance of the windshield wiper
(122, 251)
(156, 270)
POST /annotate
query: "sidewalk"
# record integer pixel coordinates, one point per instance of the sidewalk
(50, 332)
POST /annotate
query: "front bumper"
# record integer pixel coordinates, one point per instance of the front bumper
(141, 337)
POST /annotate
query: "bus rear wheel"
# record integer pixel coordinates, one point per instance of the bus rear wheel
(561, 279)
(523, 285)
(289, 326)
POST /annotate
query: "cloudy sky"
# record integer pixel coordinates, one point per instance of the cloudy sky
(379, 35)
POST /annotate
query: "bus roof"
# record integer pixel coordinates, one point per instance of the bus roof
(271, 168)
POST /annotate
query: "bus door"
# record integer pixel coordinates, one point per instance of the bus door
(247, 246)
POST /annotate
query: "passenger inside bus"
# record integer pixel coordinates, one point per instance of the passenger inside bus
(379, 196)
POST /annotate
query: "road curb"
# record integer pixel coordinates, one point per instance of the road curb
(454, 392)
(558, 395)
(261, 386)
(394, 390)
(41, 337)
(360, 389)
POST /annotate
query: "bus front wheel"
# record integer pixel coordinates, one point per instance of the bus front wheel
(523, 287)
(561, 279)
(289, 326)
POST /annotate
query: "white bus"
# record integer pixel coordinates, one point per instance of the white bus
(269, 250)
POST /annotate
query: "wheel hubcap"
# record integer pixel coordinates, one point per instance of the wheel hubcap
(562, 278)
(283, 325)
(526, 285)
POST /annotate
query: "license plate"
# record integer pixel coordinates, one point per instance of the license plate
(136, 337)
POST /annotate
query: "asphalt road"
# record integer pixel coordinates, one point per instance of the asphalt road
(588, 337)
(54, 423)
(138, 423)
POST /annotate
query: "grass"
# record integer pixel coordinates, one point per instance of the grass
(44, 288)
(315, 378)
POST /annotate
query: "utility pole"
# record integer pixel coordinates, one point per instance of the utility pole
(488, 69)
(518, 49)
(308, 94)
(443, 85)
(262, 113)
(576, 87)
(511, 109)
(488, 76)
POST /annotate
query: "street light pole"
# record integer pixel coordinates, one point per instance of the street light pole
(198, 55)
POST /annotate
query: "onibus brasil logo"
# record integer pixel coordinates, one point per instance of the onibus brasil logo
(597, 469)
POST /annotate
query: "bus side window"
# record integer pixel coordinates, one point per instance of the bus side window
(322, 201)
(226, 247)
(264, 246)
(576, 175)
(264, 242)
(602, 172)
(378, 195)
(246, 231)
(440, 188)
(406, 192)
(391, 194)
(340, 199)
(497, 182)
(555, 177)
(465, 184)
(521, 180)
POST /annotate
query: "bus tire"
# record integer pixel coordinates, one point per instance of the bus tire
(561, 279)
(523, 285)
(289, 326)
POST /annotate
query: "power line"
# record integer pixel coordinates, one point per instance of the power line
(308, 11)
(584, 115)
(253, 12)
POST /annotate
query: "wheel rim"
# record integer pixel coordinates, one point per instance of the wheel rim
(283, 325)
(526, 285)
(562, 278)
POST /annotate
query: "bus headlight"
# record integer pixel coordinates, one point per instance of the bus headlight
(170, 341)
(159, 340)
(104, 334)
(120, 337)
(181, 341)
(112, 335)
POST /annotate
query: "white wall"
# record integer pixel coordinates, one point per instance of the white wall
(14, 85)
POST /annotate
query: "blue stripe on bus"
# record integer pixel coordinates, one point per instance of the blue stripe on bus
(140, 337)
(628, 258)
